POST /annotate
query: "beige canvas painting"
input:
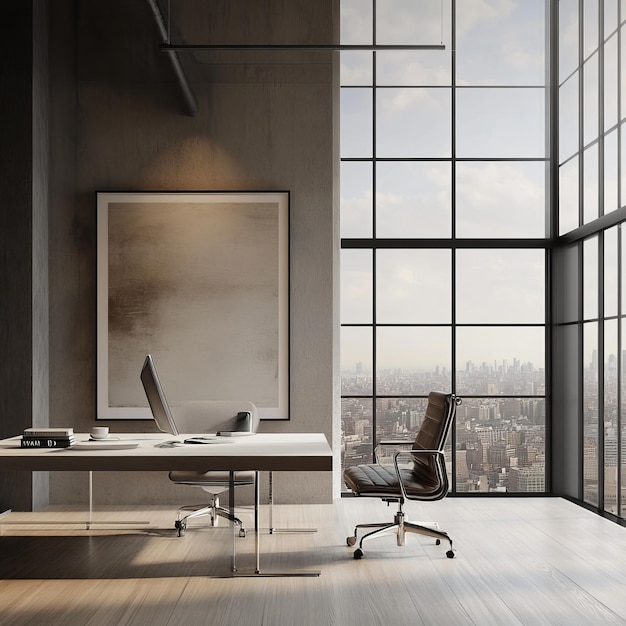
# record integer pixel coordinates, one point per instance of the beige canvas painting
(200, 282)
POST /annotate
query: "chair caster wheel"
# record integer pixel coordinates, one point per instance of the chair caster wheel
(438, 542)
(358, 553)
(242, 532)
(180, 526)
(450, 554)
(351, 541)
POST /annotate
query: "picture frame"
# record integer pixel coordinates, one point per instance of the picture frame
(199, 280)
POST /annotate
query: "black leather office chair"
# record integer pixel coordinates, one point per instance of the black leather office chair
(425, 477)
(212, 417)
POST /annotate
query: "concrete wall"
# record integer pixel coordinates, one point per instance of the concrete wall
(264, 122)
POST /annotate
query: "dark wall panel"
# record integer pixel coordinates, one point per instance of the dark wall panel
(16, 60)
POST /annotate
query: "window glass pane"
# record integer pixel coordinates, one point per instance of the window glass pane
(590, 278)
(412, 360)
(568, 118)
(500, 199)
(413, 67)
(356, 122)
(623, 65)
(590, 413)
(500, 43)
(610, 173)
(623, 162)
(502, 360)
(610, 272)
(611, 83)
(413, 199)
(357, 68)
(501, 445)
(356, 360)
(568, 197)
(356, 199)
(610, 416)
(413, 286)
(590, 184)
(590, 97)
(410, 22)
(622, 235)
(500, 286)
(500, 122)
(356, 432)
(590, 26)
(356, 286)
(610, 17)
(356, 21)
(568, 37)
(413, 123)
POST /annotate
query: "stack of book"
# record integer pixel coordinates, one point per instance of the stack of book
(48, 438)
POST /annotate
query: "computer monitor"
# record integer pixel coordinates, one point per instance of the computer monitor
(156, 398)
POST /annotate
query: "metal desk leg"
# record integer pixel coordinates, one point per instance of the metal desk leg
(257, 527)
(89, 518)
(89, 523)
(231, 506)
(257, 547)
(275, 531)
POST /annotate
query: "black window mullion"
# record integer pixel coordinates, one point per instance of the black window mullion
(374, 236)
(620, 372)
(453, 433)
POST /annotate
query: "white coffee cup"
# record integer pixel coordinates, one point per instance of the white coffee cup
(100, 432)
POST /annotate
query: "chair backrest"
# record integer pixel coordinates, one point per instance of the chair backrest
(432, 435)
(211, 416)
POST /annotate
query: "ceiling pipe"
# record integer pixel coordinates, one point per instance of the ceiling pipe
(190, 99)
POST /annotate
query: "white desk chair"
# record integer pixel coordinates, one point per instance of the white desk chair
(207, 417)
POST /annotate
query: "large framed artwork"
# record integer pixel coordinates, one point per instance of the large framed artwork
(199, 280)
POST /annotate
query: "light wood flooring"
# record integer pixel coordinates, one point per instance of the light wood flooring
(519, 561)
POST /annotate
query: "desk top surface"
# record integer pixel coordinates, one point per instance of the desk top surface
(262, 451)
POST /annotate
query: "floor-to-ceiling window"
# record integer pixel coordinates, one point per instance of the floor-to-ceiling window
(444, 203)
(592, 209)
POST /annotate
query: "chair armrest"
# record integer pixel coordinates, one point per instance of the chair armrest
(440, 469)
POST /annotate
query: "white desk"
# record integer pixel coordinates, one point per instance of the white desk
(301, 452)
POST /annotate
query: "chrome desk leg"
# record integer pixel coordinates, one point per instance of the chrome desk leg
(257, 527)
(257, 547)
(275, 531)
(231, 506)
(89, 519)
(89, 523)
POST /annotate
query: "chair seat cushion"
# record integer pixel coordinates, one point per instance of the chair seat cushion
(211, 478)
(381, 480)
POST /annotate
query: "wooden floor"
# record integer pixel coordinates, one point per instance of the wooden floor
(519, 561)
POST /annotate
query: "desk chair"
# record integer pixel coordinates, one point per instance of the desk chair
(212, 417)
(424, 478)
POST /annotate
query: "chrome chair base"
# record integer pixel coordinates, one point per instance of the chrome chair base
(400, 527)
(212, 510)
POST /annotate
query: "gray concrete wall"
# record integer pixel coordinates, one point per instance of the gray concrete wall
(265, 122)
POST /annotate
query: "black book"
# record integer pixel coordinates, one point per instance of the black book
(47, 442)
